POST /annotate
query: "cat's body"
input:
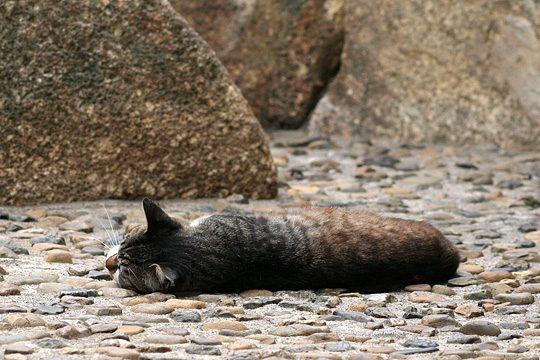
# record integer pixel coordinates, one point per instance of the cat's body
(302, 249)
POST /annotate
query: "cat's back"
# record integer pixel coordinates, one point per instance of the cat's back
(335, 225)
(359, 243)
(336, 230)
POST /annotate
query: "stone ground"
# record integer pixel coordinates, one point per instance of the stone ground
(57, 302)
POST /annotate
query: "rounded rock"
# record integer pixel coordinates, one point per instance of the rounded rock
(59, 256)
(154, 309)
(480, 327)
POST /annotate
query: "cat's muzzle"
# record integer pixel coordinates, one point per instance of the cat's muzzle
(111, 262)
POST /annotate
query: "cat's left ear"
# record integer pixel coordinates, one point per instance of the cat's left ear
(156, 218)
(165, 276)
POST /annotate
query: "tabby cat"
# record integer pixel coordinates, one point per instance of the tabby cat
(303, 249)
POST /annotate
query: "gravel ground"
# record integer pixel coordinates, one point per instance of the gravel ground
(57, 302)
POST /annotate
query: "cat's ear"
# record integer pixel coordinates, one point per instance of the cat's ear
(156, 218)
(165, 275)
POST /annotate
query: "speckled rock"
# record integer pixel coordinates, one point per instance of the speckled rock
(166, 339)
(405, 91)
(23, 320)
(480, 327)
(130, 329)
(74, 331)
(156, 309)
(516, 299)
(185, 304)
(298, 330)
(166, 91)
(59, 256)
(116, 352)
(231, 325)
(280, 54)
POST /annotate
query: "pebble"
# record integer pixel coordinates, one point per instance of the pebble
(350, 315)
(165, 339)
(297, 330)
(420, 343)
(340, 346)
(18, 349)
(443, 290)
(10, 291)
(185, 304)
(186, 316)
(469, 310)
(480, 327)
(45, 246)
(73, 331)
(11, 308)
(155, 309)
(412, 312)
(425, 350)
(463, 281)
(43, 309)
(522, 298)
(129, 329)
(117, 292)
(103, 328)
(76, 225)
(527, 228)
(10, 339)
(23, 320)
(381, 349)
(471, 268)
(525, 288)
(255, 303)
(464, 339)
(51, 221)
(509, 310)
(531, 332)
(205, 340)
(230, 325)
(51, 343)
(425, 297)
(117, 352)
(497, 288)
(495, 276)
(99, 275)
(43, 276)
(105, 311)
(439, 321)
(202, 350)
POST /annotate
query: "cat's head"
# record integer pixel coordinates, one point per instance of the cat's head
(142, 262)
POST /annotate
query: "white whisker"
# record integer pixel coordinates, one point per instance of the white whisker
(116, 237)
(109, 238)
(102, 243)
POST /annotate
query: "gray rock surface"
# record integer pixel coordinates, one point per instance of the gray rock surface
(433, 71)
(281, 54)
(120, 100)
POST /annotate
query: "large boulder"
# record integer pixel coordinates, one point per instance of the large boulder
(120, 99)
(437, 70)
(281, 54)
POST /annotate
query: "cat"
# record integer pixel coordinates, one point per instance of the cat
(308, 248)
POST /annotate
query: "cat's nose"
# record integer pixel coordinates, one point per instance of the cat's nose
(112, 263)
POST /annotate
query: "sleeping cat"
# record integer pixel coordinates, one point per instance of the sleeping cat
(304, 249)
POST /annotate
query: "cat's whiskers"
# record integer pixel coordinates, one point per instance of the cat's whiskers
(132, 273)
(116, 236)
(109, 238)
(101, 242)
